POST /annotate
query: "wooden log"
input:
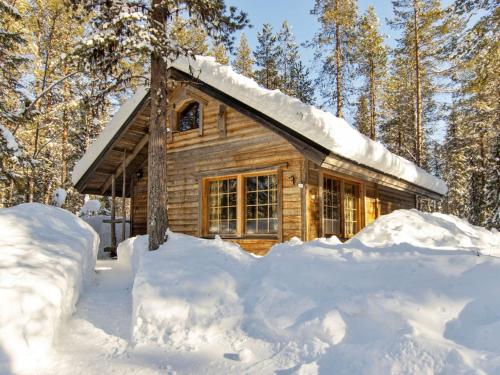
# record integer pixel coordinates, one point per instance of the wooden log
(113, 215)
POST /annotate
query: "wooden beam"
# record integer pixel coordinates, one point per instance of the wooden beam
(124, 182)
(129, 158)
(113, 215)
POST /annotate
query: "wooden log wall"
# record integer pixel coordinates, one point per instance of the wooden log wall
(244, 145)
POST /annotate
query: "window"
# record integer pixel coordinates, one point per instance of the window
(261, 204)
(331, 206)
(243, 204)
(189, 117)
(340, 207)
(350, 209)
(222, 206)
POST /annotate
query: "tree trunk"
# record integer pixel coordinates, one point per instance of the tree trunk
(338, 60)
(418, 90)
(372, 101)
(157, 149)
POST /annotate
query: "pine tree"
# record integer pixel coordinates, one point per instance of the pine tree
(424, 30)
(126, 31)
(265, 57)
(362, 118)
(288, 57)
(371, 57)
(220, 53)
(301, 84)
(456, 168)
(333, 43)
(243, 62)
(476, 67)
(191, 36)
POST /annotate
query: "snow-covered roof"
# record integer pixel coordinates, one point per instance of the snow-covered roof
(323, 128)
(107, 134)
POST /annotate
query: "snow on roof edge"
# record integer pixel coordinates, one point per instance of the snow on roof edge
(322, 127)
(98, 146)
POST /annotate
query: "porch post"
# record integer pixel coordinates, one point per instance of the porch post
(124, 177)
(113, 215)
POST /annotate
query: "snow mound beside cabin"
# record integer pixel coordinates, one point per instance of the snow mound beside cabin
(46, 256)
(406, 295)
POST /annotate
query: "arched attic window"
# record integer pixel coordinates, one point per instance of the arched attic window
(189, 117)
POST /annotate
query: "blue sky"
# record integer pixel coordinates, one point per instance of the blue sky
(304, 25)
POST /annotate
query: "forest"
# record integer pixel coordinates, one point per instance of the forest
(433, 98)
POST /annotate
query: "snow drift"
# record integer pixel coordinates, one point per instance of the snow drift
(46, 255)
(409, 294)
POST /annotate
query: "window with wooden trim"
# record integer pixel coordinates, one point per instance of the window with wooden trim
(340, 207)
(261, 193)
(222, 206)
(331, 206)
(351, 209)
(189, 117)
(245, 204)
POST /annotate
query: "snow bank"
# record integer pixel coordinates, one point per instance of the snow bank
(46, 255)
(406, 295)
(185, 294)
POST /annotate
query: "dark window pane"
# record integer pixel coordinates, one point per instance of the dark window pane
(251, 212)
(232, 199)
(232, 185)
(262, 211)
(189, 118)
(263, 183)
(263, 197)
(223, 213)
(224, 200)
(224, 186)
(252, 198)
(231, 213)
(251, 183)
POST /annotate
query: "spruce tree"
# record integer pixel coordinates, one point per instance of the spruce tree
(334, 46)
(123, 31)
(243, 62)
(362, 118)
(288, 57)
(371, 58)
(266, 58)
(301, 83)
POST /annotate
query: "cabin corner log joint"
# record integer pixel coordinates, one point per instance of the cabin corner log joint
(237, 172)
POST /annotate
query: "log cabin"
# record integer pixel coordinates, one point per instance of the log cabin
(250, 165)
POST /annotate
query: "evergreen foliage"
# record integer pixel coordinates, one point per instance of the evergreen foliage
(266, 57)
(243, 62)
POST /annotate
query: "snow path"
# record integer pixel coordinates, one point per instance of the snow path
(95, 340)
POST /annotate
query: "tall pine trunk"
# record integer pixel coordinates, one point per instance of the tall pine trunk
(338, 61)
(157, 153)
(418, 90)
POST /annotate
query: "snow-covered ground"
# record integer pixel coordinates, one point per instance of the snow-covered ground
(46, 256)
(412, 293)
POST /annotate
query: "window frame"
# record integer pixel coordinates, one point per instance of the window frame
(178, 113)
(359, 201)
(241, 204)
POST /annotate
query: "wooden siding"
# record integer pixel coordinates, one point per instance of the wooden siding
(244, 146)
